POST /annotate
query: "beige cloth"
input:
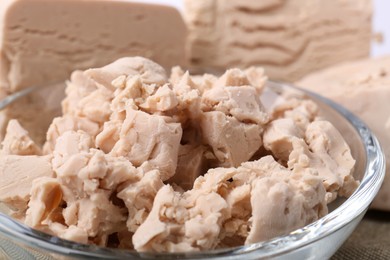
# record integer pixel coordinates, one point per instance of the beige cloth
(370, 240)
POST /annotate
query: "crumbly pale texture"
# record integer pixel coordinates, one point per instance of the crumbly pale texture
(43, 41)
(186, 163)
(364, 88)
(288, 38)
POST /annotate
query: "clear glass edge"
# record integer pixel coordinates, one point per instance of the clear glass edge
(335, 220)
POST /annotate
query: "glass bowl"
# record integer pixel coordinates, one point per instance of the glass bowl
(319, 240)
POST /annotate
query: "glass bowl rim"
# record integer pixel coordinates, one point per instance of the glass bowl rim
(335, 220)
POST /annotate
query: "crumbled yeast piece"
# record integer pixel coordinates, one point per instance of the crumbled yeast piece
(68, 123)
(177, 223)
(140, 161)
(46, 196)
(18, 142)
(86, 179)
(138, 197)
(233, 119)
(149, 138)
(308, 142)
(228, 204)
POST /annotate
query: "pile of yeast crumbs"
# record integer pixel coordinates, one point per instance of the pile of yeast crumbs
(146, 162)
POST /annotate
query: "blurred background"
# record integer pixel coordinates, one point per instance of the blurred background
(381, 24)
